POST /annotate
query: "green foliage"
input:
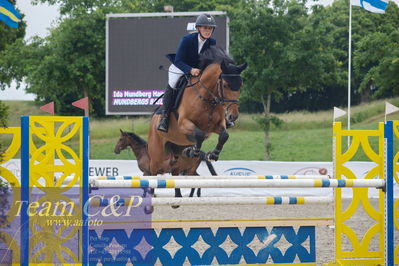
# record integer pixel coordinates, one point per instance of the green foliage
(265, 122)
(178, 5)
(8, 36)
(377, 59)
(283, 52)
(3, 123)
(67, 65)
(3, 114)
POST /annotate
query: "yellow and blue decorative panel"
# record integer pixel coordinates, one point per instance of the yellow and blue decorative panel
(10, 224)
(53, 228)
(360, 245)
(301, 241)
(396, 183)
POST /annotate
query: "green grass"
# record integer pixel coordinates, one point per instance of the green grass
(303, 136)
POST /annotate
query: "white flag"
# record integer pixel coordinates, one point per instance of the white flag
(338, 112)
(374, 6)
(390, 108)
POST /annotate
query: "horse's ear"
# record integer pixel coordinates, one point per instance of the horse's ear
(242, 67)
(225, 68)
(121, 131)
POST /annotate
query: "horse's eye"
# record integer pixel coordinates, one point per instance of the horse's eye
(225, 86)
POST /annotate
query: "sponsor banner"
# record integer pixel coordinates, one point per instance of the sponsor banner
(235, 168)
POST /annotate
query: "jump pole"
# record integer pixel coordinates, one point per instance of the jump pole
(240, 183)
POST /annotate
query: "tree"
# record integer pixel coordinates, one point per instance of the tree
(8, 36)
(376, 59)
(71, 64)
(66, 65)
(284, 52)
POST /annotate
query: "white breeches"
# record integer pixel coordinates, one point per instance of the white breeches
(174, 74)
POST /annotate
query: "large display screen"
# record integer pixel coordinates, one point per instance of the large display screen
(136, 62)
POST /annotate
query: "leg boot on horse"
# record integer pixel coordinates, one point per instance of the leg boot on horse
(168, 101)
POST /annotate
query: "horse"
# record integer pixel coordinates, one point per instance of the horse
(207, 102)
(171, 164)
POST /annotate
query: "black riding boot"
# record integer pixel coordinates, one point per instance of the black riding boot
(167, 107)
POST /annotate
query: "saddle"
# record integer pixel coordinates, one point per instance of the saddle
(177, 94)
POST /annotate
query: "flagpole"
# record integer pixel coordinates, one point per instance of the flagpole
(349, 68)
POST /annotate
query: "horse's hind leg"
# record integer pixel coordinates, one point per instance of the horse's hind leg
(151, 193)
(198, 189)
(178, 194)
(193, 191)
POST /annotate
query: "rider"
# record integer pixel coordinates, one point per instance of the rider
(186, 61)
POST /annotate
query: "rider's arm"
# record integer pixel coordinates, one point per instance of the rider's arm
(182, 54)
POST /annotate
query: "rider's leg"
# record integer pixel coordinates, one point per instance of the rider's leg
(168, 97)
(168, 100)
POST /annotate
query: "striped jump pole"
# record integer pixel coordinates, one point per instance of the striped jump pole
(139, 201)
(212, 177)
(70, 179)
(240, 183)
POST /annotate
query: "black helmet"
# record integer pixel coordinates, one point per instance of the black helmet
(205, 20)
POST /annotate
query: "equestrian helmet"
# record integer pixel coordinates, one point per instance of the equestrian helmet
(205, 20)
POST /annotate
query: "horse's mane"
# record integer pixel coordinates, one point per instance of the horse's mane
(136, 138)
(214, 54)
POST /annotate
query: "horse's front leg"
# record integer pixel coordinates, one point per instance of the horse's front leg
(193, 189)
(223, 137)
(193, 134)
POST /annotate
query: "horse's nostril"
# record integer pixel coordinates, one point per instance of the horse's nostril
(233, 117)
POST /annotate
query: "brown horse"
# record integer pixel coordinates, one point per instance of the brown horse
(206, 103)
(171, 164)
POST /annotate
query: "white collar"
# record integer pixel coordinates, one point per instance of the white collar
(200, 40)
(200, 43)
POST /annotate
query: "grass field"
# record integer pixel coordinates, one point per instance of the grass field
(303, 136)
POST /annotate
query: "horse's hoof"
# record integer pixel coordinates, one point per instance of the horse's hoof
(175, 206)
(212, 157)
(148, 209)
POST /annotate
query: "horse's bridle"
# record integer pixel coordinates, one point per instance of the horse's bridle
(215, 100)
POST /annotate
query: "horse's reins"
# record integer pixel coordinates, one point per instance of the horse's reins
(216, 100)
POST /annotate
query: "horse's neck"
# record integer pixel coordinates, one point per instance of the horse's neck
(138, 149)
(210, 76)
